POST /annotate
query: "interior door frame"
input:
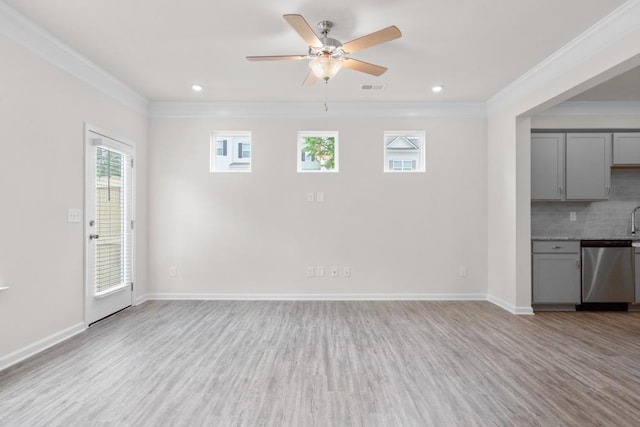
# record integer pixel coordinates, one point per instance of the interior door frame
(90, 130)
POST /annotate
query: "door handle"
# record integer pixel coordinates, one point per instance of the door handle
(93, 236)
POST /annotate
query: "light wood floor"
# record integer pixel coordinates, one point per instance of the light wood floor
(279, 363)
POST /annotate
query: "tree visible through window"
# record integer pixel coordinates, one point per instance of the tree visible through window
(318, 151)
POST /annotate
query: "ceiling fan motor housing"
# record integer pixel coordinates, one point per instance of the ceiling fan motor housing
(329, 46)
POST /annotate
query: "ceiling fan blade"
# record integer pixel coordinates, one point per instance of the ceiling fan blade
(277, 58)
(303, 28)
(364, 67)
(310, 80)
(381, 36)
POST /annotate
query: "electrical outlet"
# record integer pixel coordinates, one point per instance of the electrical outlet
(463, 271)
(572, 216)
(320, 271)
(173, 271)
(311, 272)
(346, 272)
(334, 271)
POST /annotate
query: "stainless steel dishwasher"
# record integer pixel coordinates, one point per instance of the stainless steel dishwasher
(607, 271)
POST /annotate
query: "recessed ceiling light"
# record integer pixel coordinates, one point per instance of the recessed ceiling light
(196, 88)
(437, 88)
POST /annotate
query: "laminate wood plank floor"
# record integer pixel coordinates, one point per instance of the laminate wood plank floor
(330, 363)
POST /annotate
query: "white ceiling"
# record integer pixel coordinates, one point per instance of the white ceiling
(160, 47)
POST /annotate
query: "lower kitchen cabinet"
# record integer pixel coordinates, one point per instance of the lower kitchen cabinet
(556, 273)
(637, 298)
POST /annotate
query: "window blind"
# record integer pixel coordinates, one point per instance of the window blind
(113, 222)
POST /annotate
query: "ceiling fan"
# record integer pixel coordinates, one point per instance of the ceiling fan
(327, 55)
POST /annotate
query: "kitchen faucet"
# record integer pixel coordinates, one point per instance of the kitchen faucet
(633, 220)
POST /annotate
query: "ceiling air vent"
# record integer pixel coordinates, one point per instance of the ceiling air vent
(372, 87)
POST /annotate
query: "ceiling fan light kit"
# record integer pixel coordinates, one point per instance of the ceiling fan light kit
(325, 66)
(327, 55)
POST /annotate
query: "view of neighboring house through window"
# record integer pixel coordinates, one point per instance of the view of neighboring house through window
(317, 151)
(230, 151)
(404, 152)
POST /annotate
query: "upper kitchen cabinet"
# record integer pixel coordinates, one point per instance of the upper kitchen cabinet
(626, 149)
(547, 166)
(588, 166)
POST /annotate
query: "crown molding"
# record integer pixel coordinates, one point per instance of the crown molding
(600, 36)
(593, 108)
(21, 30)
(227, 110)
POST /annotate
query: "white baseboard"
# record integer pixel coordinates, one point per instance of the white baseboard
(41, 345)
(343, 297)
(509, 307)
(141, 299)
(319, 297)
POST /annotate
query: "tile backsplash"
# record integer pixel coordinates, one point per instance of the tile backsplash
(603, 219)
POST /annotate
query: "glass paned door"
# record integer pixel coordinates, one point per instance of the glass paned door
(109, 231)
(114, 243)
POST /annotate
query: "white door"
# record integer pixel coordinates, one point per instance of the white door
(109, 225)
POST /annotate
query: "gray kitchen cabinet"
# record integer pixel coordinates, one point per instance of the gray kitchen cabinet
(588, 166)
(626, 148)
(556, 272)
(547, 166)
(637, 268)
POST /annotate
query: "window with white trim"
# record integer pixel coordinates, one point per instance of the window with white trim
(404, 151)
(230, 151)
(317, 151)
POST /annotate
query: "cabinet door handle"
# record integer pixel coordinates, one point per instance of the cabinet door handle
(577, 264)
(556, 247)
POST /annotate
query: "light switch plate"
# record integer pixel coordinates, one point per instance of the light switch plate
(320, 196)
(310, 196)
(74, 215)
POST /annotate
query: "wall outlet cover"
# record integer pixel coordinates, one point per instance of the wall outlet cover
(334, 271)
(463, 271)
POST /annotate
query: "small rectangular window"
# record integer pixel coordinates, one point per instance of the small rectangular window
(221, 147)
(230, 152)
(245, 150)
(318, 151)
(404, 151)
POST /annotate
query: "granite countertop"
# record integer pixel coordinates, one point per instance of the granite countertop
(587, 237)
